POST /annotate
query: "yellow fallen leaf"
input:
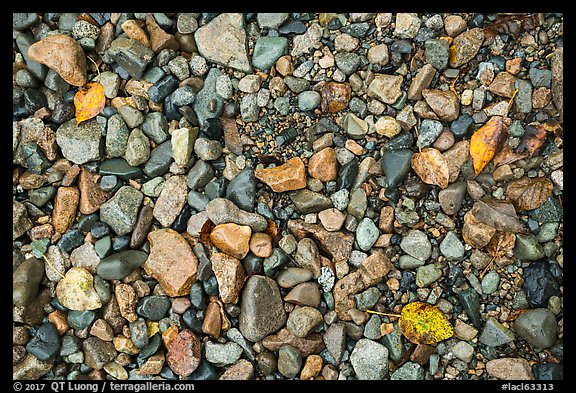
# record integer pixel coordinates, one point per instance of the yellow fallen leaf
(423, 323)
(487, 141)
(89, 101)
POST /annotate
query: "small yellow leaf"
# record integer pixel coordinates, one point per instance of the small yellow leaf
(487, 141)
(423, 323)
(431, 166)
(89, 101)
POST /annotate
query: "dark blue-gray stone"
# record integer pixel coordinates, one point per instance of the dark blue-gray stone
(242, 190)
(470, 302)
(216, 188)
(357, 30)
(540, 78)
(347, 62)
(197, 297)
(404, 140)
(208, 97)
(160, 160)
(119, 167)
(34, 99)
(430, 130)
(81, 319)
(151, 348)
(199, 175)
(70, 240)
(253, 264)
(204, 265)
(181, 222)
(197, 200)
(550, 211)
(131, 55)
(204, 372)
(163, 88)
(99, 230)
(192, 321)
(396, 165)
(36, 161)
(293, 27)
(42, 195)
(139, 333)
(24, 20)
(46, 343)
(495, 334)
(437, 53)
(539, 284)
(155, 127)
(274, 261)
(153, 307)
(120, 265)
(70, 345)
(548, 371)
(401, 46)
(347, 174)
(120, 243)
(461, 126)
(287, 135)
(38, 70)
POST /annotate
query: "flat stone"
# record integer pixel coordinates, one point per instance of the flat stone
(407, 25)
(153, 307)
(242, 190)
(26, 280)
(307, 201)
(427, 274)
(222, 354)
(304, 294)
(97, 353)
(230, 275)
(184, 353)
(171, 261)
(271, 20)
(171, 200)
(221, 211)
(369, 360)
(396, 165)
(127, 299)
(137, 148)
(268, 50)
(91, 195)
(261, 244)
(465, 46)
(510, 369)
(120, 212)
(80, 143)
(421, 81)
(262, 310)
(451, 247)
(416, 244)
(495, 334)
(306, 345)
(241, 370)
(303, 43)
(366, 234)
(85, 256)
(159, 39)
(223, 41)
(183, 140)
(332, 219)
(289, 361)
(286, 177)
(323, 165)
(142, 226)
(386, 88)
(131, 55)
(337, 245)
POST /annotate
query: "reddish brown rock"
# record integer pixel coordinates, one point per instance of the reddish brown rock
(65, 205)
(465, 46)
(443, 102)
(503, 85)
(212, 323)
(312, 367)
(230, 275)
(159, 39)
(261, 244)
(64, 55)
(47, 143)
(332, 219)
(44, 231)
(91, 195)
(232, 138)
(233, 239)
(323, 165)
(307, 346)
(59, 320)
(510, 369)
(184, 353)
(127, 299)
(371, 271)
(386, 222)
(337, 245)
(456, 156)
(105, 38)
(171, 262)
(286, 177)
(71, 175)
(241, 370)
(335, 96)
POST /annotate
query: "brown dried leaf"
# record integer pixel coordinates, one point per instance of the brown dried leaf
(431, 166)
(500, 244)
(511, 24)
(528, 193)
(487, 141)
(532, 140)
(500, 215)
(507, 156)
(273, 231)
(423, 323)
(89, 101)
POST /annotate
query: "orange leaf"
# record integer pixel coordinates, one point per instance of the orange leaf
(431, 166)
(532, 140)
(486, 141)
(89, 101)
(528, 193)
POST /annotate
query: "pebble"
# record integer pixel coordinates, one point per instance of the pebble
(307, 256)
(221, 211)
(222, 354)
(443, 102)
(470, 302)
(230, 275)
(45, 344)
(366, 234)
(538, 327)
(309, 100)
(261, 244)
(495, 334)
(241, 191)
(396, 165)
(451, 247)
(416, 244)
(97, 353)
(465, 46)
(81, 143)
(303, 320)
(171, 200)
(386, 88)
(527, 248)
(268, 50)
(153, 307)
(304, 294)
(286, 177)
(427, 274)
(184, 353)
(510, 369)
(369, 360)
(409, 371)
(289, 361)
(120, 212)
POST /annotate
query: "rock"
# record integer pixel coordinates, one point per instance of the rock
(470, 302)
(366, 234)
(538, 327)
(159, 39)
(262, 310)
(416, 244)
(527, 248)
(421, 81)
(80, 143)
(230, 275)
(221, 211)
(20, 220)
(451, 247)
(307, 256)
(241, 191)
(369, 360)
(287, 177)
(142, 227)
(292, 276)
(335, 96)
(443, 102)
(233, 239)
(85, 256)
(557, 68)
(539, 284)
(308, 100)
(465, 46)
(64, 55)
(120, 212)
(548, 371)
(409, 371)
(183, 140)
(271, 20)
(335, 340)
(503, 85)
(337, 245)
(209, 104)
(304, 294)
(386, 88)
(407, 25)
(77, 292)
(31, 368)
(308, 345)
(199, 175)
(131, 55)
(355, 127)
(184, 353)
(268, 50)
(289, 361)
(451, 198)
(171, 261)
(26, 280)
(396, 165)
(65, 205)
(510, 369)
(495, 334)
(332, 219)
(223, 41)
(126, 298)
(490, 282)
(261, 244)
(222, 354)
(91, 195)
(312, 367)
(307, 201)
(171, 200)
(153, 307)
(303, 320)
(323, 165)
(302, 44)
(241, 370)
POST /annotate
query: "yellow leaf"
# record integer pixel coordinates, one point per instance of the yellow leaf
(431, 166)
(486, 141)
(422, 323)
(89, 101)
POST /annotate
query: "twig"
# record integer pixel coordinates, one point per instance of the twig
(97, 68)
(384, 313)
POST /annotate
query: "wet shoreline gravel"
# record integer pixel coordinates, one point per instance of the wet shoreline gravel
(248, 193)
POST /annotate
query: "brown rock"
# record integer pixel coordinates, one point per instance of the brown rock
(196, 222)
(304, 294)
(171, 262)
(337, 245)
(65, 205)
(233, 239)
(286, 177)
(335, 96)
(422, 353)
(31, 368)
(71, 175)
(47, 143)
(476, 233)
(373, 269)
(184, 353)
(261, 244)
(510, 369)
(59, 320)
(169, 335)
(232, 138)
(105, 38)
(153, 365)
(465, 46)
(134, 30)
(124, 345)
(171, 200)
(159, 39)
(386, 222)
(312, 367)
(323, 165)
(212, 323)
(454, 25)
(284, 65)
(230, 275)
(443, 102)
(444, 141)
(44, 231)
(241, 370)
(386, 88)
(91, 195)
(127, 300)
(503, 85)
(541, 97)
(142, 226)
(332, 219)
(64, 55)
(102, 330)
(32, 181)
(421, 81)
(514, 65)
(503, 173)
(456, 156)
(311, 344)
(557, 68)
(112, 315)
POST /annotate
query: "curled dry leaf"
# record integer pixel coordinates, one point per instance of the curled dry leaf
(487, 141)
(500, 244)
(532, 140)
(431, 166)
(423, 323)
(528, 193)
(507, 156)
(500, 215)
(89, 101)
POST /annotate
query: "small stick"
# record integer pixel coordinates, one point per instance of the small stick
(97, 68)
(418, 140)
(384, 313)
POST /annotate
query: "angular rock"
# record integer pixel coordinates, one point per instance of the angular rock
(230, 275)
(97, 353)
(20, 220)
(443, 102)
(184, 353)
(306, 345)
(120, 211)
(323, 165)
(307, 201)
(221, 211)
(80, 143)
(465, 46)
(171, 200)
(131, 55)
(303, 320)
(510, 369)
(386, 88)
(538, 327)
(119, 265)
(307, 256)
(369, 360)
(337, 245)
(286, 177)
(421, 81)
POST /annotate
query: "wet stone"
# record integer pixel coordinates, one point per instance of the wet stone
(153, 307)
(45, 344)
(538, 327)
(539, 284)
(495, 334)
